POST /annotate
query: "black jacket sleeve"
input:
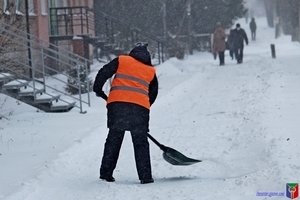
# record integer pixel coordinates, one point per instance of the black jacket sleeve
(153, 90)
(106, 72)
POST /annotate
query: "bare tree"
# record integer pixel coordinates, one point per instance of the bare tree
(285, 15)
(10, 49)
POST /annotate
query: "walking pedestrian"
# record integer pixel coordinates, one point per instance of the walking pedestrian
(230, 43)
(253, 28)
(239, 36)
(219, 45)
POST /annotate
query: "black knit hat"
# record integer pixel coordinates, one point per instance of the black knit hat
(141, 53)
(140, 49)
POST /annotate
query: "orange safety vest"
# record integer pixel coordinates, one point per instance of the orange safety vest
(131, 82)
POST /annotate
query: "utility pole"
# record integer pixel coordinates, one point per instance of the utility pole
(190, 37)
(28, 39)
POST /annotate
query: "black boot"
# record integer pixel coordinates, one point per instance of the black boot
(108, 178)
(147, 181)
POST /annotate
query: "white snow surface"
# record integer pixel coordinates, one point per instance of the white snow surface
(241, 120)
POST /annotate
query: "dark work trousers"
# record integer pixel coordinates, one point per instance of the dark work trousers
(231, 54)
(141, 151)
(239, 54)
(221, 57)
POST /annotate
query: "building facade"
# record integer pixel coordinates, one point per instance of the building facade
(48, 22)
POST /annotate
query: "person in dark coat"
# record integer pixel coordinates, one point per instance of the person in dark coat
(230, 43)
(239, 36)
(252, 26)
(134, 89)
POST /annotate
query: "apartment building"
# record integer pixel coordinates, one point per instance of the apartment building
(56, 21)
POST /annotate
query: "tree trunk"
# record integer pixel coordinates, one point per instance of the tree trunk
(269, 12)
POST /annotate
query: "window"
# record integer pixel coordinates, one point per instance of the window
(61, 3)
(18, 7)
(5, 7)
(16, 3)
(44, 7)
(31, 10)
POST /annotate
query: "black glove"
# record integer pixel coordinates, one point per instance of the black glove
(102, 95)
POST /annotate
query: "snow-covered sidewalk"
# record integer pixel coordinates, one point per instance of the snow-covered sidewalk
(242, 120)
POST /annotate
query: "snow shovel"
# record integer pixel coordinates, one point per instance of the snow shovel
(172, 156)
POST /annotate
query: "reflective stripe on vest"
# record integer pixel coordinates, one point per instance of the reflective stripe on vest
(132, 78)
(131, 82)
(129, 89)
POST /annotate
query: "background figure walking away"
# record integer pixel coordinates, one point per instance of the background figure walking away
(134, 89)
(253, 28)
(239, 36)
(219, 45)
